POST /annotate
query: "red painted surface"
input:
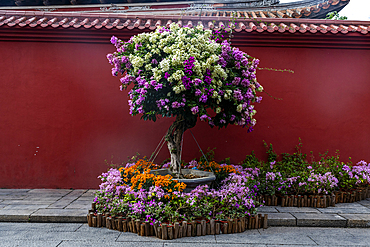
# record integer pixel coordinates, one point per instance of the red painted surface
(62, 114)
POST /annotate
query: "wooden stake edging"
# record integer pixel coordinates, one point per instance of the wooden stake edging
(170, 232)
(213, 227)
(265, 221)
(142, 230)
(89, 219)
(193, 228)
(124, 225)
(199, 230)
(164, 231)
(181, 230)
(317, 201)
(94, 221)
(208, 230)
(189, 230)
(184, 228)
(100, 219)
(176, 230)
(218, 228)
(204, 227)
(147, 228)
(224, 228)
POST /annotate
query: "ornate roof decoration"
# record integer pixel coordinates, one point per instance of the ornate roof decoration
(77, 20)
(311, 9)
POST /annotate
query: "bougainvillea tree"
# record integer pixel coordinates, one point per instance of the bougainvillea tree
(185, 73)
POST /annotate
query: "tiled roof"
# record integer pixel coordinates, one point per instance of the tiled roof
(312, 9)
(77, 20)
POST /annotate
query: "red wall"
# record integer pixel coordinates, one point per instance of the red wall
(62, 114)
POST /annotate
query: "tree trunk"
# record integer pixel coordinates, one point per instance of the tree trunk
(173, 138)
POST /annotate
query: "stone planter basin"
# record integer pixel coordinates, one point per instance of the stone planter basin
(208, 177)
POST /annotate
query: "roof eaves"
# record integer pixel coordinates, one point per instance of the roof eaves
(145, 21)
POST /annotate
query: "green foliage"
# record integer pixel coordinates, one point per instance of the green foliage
(134, 158)
(250, 161)
(208, 156)
(271, 155)
(335, 16)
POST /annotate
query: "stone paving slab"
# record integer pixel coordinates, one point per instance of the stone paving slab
(358, 210)
(13, 191)
(74, 196)
(264, 239)
(322, 220)
(110, 236)
(297, 210)
(89, 193)
(357, 220)
(28, 243)
(62, 203)
(212, 245)
(365, 203)
(85, 198)
(267, 209)
(59, 215)
(132, 237)
(295, 245)
(349, 205)
(50, 191)
(341, 240)
(307, 231)
(12, 197)
(42, 198)
(93, 244)
(28, 202)
(80, 205)
(76, 193)
(16, 215)
(26, 206)
(281, 219)
(46, 227)
(359, 231)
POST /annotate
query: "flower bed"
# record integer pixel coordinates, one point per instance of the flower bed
(133, 199)
(133, 191)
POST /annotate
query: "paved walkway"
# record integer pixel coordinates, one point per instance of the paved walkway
(45, 205)
(71, 206)
(80, 235)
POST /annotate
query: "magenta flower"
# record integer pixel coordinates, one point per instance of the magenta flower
(195, 110)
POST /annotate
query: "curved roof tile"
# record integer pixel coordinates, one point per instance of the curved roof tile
(150, 22)
(313, 9)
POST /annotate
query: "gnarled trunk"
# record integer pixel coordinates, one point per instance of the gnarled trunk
(174, 137)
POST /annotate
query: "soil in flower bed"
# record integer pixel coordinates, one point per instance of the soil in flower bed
(182, 229)
(190, 176)
(316, 201)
